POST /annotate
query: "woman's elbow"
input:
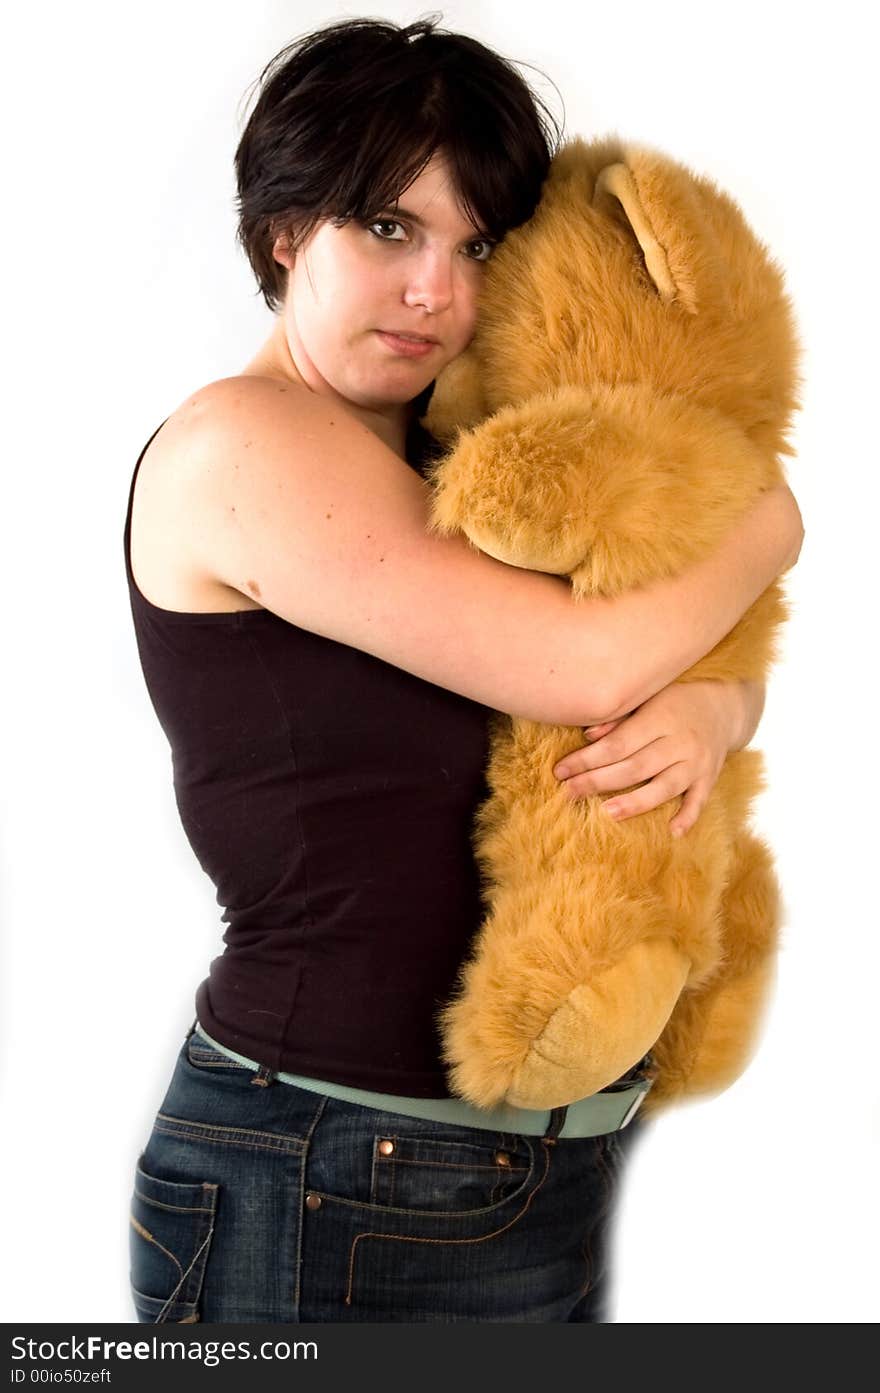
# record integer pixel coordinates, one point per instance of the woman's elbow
(589, 707)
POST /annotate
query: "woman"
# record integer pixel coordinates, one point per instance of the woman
(325, 670)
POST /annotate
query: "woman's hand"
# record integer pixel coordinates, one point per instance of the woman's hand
(676, 742)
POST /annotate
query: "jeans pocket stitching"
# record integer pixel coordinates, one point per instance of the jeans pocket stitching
(386, 1169)
(179, 1208)
(221, 1134)
(188, 1286)
(206, 1057)
(203, 1247)
(151, 1238)
(413, 1238)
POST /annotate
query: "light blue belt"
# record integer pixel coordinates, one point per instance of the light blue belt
(603, 1112)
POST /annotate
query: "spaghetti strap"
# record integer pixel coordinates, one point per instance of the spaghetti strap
(127, 534)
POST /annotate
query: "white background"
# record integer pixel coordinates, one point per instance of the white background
(123, 291)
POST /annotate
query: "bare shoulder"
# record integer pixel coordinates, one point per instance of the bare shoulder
(222, 413)
(183, 478)
(190, 463)
(273, 426)
(243, 465)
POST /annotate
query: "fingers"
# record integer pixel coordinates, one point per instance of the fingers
(648, 768)
(642, 758)
(592, 733)
(608, 744)
(659, 790)
(693, 803)
(614, 754)
(588, 757)
(659, 782)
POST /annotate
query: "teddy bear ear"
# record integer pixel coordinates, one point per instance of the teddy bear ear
(616, 181)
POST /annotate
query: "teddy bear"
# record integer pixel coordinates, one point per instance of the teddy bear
(625, 398)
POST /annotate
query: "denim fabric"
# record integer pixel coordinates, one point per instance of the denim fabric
(271, 1203)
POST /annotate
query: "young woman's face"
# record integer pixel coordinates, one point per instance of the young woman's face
(415, 270)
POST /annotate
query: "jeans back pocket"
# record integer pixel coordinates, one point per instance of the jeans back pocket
(171, 1224)
(433, 1172)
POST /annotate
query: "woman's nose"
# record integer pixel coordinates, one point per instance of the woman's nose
(430, 283)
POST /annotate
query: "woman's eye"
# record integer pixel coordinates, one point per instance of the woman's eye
(390, 230)
(385, 223)
(486, 247)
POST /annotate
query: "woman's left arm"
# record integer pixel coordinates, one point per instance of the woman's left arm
(674, 743)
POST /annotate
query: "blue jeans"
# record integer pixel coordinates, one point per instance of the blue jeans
(278, 1204)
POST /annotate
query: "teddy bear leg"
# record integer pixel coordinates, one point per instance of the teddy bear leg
(569, 985)
(603, 1027)
(714, 1029)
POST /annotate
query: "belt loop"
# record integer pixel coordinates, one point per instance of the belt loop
(264, 1076)
(555, 1125)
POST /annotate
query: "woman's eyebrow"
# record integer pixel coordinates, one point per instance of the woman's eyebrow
(419, 221)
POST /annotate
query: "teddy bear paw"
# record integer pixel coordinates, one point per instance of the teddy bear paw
(602, 1028)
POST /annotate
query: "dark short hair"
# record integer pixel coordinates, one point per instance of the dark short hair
(349, 115)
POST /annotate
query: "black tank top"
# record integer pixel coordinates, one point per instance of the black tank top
(330, 798)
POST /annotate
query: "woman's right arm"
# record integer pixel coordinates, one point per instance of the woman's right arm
(305, 510)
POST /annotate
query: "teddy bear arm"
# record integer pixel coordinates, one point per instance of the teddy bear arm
(669, 478)
(613, 486)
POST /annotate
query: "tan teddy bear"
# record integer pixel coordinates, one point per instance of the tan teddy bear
(624, 400)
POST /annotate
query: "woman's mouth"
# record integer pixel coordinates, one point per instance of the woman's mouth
(409, 345)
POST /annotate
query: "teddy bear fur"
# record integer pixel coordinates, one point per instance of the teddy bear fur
(624, 400)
